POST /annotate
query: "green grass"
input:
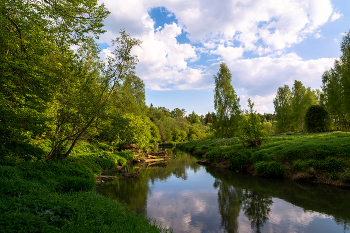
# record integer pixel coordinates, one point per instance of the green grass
(327, 153)
(58, 196)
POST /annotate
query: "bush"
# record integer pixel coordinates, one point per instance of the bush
(260, 167)
(253, 131)
(269, 168)
(275, 168)
(330, 164)
(238, 160)
(13, 151)
(300, 165)
(316, 119)
(126, 154)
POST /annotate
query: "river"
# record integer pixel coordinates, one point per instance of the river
(188, 197)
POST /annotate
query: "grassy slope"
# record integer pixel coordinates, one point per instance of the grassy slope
(315, 157)
(56, 196)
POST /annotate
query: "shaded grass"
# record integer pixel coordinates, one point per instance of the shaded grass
(58, 196)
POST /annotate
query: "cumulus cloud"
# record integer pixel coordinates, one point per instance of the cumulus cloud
(231, 31)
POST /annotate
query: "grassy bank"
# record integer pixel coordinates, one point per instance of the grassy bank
(58, 196)
(323, 157)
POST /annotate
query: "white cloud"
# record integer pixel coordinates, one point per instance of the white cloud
(226, 31)
(335, 16)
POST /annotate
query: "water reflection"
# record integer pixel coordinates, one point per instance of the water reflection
(191, 198)
(257, 208)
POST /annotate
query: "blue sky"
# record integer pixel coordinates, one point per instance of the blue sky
(265, 43)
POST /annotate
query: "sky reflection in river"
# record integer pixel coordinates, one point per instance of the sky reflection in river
(190, 198)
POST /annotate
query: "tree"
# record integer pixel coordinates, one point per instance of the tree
(226, 102)
(193, 118)
(131, 129)
(253, 131)
(72, 121)
(316, 119)
(283, 108)
(208, 118)
(298, 105)
(345, 70)
(34, 36)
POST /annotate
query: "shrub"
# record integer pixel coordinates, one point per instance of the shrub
(260, 167)
(330, 164)
(270, 168)
(238, 160)
(316, 119)
(275, 168)
(253, 131)
(13, 151)
(126, 154)
(300, 165)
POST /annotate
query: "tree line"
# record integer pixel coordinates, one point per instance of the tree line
(55, 87)
(293, 107)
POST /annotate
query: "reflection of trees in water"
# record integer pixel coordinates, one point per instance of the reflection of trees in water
(133, 192)
(257, 208)
(229, 200)
(233, 195)
(344, 223)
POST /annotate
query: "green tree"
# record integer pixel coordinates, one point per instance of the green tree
(34, 37)
(208, 118)
(193, 118)
(73, 120)
(298, 105)
(131, 129)
(226, 102)
(283, 108)
(253, 131)
(345, 70)
(316, 119)
(333, 96)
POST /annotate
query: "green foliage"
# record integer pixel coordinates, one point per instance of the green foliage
(253, 132)
(131, 129)
(345, 176)
(301, 165)
(17, 151)
(126, 154)
(283, 108)
(269, 168)
(310, 153)
(238, 160)
(30, 63)
(31, 205)
(330, 164)
(316, 119)
(226, 103)
(260, 167)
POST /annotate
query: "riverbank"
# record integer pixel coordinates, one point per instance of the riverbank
(319, 158)
(59, 196)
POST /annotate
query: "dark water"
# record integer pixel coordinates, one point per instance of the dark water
(188, 197)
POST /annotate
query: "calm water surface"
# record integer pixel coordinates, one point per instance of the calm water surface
(188, 197)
